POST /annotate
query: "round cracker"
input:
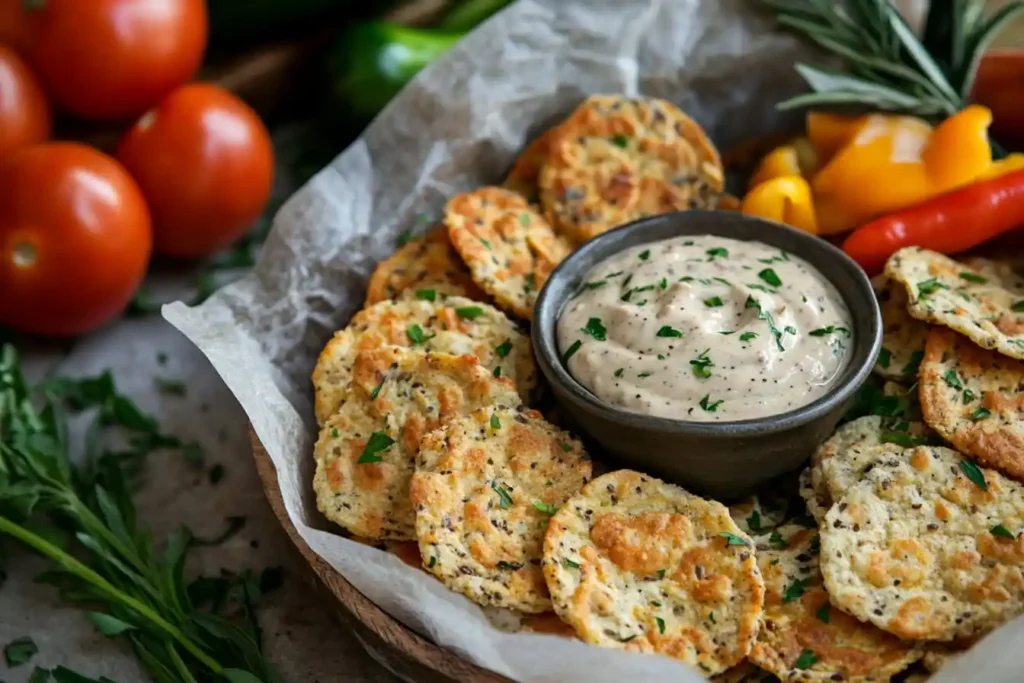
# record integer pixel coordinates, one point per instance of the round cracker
(523, 177)
(802, 637)
(917, 548)
(634, 563)
(973, 398)
(509, 248)
(484, 490)
(945, 292)
(902, 335)
(397, 397)
(853, 448)
(619, 159)
(428, 264)
(454, 325)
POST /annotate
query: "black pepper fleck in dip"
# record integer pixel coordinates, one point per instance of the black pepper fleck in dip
(705, 328)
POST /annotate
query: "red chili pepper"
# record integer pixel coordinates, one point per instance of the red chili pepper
(948, 224)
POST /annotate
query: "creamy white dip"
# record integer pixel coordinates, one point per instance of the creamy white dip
(705, 328)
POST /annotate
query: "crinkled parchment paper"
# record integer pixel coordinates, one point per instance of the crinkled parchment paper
(458, 126)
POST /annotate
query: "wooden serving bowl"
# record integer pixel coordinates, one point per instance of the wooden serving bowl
(405, 653)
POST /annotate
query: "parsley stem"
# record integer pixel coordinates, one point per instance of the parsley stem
(179, 664)
(75, 567)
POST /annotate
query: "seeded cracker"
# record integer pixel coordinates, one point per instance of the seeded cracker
(928, 547)
(509, 248)
(484, 490)
(427, 265)
(804, 638)
(453, 325)
(973, 398)
(636, 564)
(945, 292)
(902, 335)
(853, 447)
(366, 452)
(619, 159)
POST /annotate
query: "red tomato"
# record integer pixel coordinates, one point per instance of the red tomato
(13, 26)
(24, 114)
(999, 86)
(75, 239)
(205, 162)
(114, 59)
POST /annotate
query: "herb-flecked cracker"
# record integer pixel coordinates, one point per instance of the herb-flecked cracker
(902, 335)
(637, 564)
(618, 159)
(758, 514)
(1000, 273)
(974, 399)
(804, 638)
(945, 292)
(366, 453)
(426, 265)
(927, 547)
(509, 248)
(452, 325)
(841, 460)
(484, 490)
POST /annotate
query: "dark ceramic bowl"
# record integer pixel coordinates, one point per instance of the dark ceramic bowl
(720, 459)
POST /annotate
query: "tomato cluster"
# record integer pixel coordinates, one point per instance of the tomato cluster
(191, 174)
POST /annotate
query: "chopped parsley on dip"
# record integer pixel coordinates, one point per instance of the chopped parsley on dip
(705, 328)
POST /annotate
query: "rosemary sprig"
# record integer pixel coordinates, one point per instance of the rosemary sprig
(888, 68)
(114, 569)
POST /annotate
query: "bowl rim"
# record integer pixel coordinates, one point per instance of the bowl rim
(867, 342)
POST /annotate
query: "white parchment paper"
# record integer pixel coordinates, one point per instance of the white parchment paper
(458, 126)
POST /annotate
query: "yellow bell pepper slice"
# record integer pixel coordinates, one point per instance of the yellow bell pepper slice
(1012, 162)
(795, 158)
(785, 199)
(894, 162)
(828, 133)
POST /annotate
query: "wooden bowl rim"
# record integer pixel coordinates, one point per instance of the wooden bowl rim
(392, 633)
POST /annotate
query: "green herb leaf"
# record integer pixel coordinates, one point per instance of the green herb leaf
(974, 473)
(618, 373)
(469, 312)
(504, 497)
(1000, 530)
(108, 625)
(884, 357)
(905, 440)
(495, 422)
(747, 336)
(980, 414)
(417, 336)
(644, 255)
(795, 590)
(929, 287)
(427, 294)
(432, 562)
(497, 371)
(806, 660)
(573, 348)
(595, 284)
(569, 563)
(403, 238)
(709, 407)
(170, 387)
(805, 521)
(19, 651)
(216, 474)
(754, 521)
(667, 331)
(968, 396)
(596, 329)
(524, 219)
(952, 379)
(1018, 306)
(913, 364)
(701, 365)
(377, 443)
(504, 348)
(777, 540)
(822, 612)
(713, 302)
(711, 617)
(717, 251)
(620, 141)
(769, 276)
(661, 624)
(973, 277)
(512, 566)
(645, 374)
(733, 539)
